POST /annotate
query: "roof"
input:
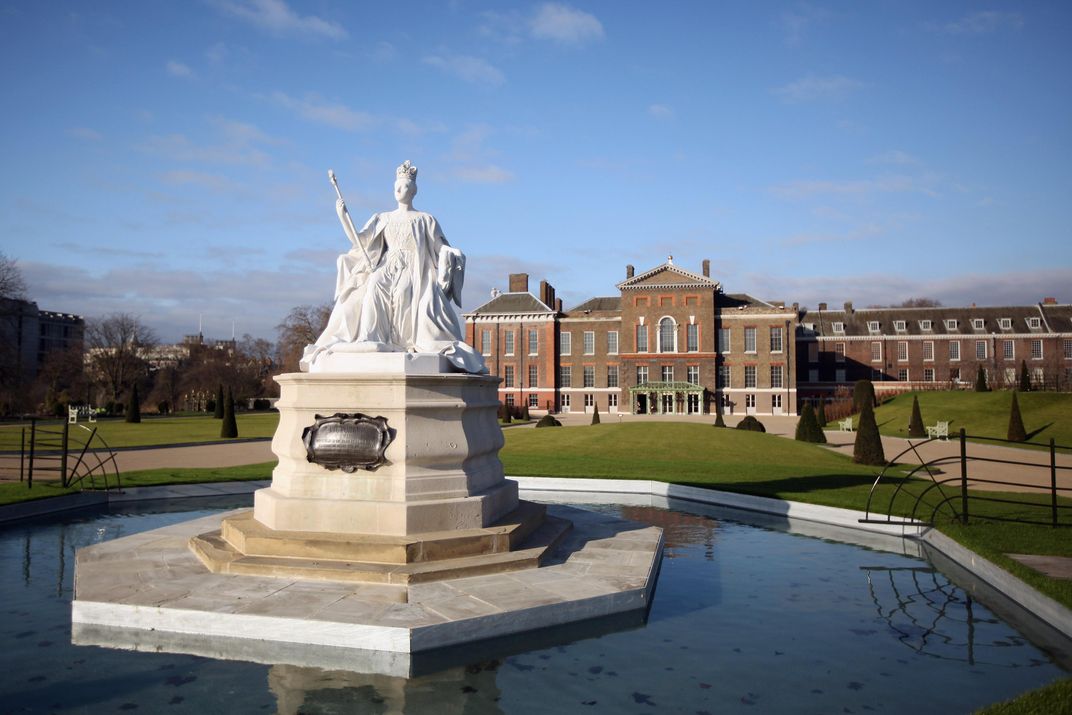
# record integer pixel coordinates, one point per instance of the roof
(525, 303)
(666, 275)
(1009, 320)
(607, 304)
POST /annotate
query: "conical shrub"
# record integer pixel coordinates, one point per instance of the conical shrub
(808, 429)
(218, 408)
(595, 415)
(1017, 433)
(229, 428)
(1025, 378)
(915, 425)
(980, 380)
(134, 406)
(868, 446)
(820, 416)
(863, 391)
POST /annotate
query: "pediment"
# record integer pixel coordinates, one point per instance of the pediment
(668, 275)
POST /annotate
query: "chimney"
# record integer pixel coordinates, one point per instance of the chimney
(628, 272)
(706, 268)
(558, 305)
(796, 307)
(1049, 300)
(822, 306)
(848, 306)
(519, 282)
(547, 294)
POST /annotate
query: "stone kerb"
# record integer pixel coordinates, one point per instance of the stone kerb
(442, 468)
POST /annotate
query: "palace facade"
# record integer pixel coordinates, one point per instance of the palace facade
(672, 341)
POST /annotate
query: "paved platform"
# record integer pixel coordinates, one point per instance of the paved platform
(153, 581)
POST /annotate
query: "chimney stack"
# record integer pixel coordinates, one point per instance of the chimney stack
(822, 306)
(547, 294)
(706, 268)
(848, 306)
(1049, 300)
(628, 272)
(558, 305)
(519, 282)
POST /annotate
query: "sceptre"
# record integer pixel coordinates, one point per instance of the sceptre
(331, 175)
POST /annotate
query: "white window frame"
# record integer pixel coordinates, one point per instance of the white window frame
(980, 354)
(978, 324)
(926, 325)
(534, 400)
(752, 332)
(508, 342)
(692, 337)
(508, 376)
(839, 353)
(954, 344)
(900, 326)
(565, 376)
(780, 332)
(692, 374)
(777, 376)
(724, 344)
(1036, 354)
(642, 375)
(1008, 348)
(750, 370)
(588, 376)
(874, 327)
(951, 324)
(1005, 323)
(565, 343)
(534, 382)
(1034, 323)
(612, 376)
(876, 351)
(485, 341)
(838, 328)
(928, 374)
(534, 345)
(642, 345)
(902, 374)
(666, 373)
(612, 342)
(928, 351)
(902, 351)
(589, 345)
(666, 320)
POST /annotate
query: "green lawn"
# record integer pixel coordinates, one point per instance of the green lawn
(985, 414)
(1052, 699)
(153, 431)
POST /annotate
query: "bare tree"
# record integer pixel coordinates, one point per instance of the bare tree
(114, 347)
(921, 303)
(12, 284)
(301, 327)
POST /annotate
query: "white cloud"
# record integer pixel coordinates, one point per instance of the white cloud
(275, 16)
(470, 69)
(807, 188)
(660, 111)
(217, 53)
(486, 174)
(983, 22)
(383, 51)
(178, 69)
(564, 24)
(236, 145)
(813, 87)
(85, 134)
(796, 23)
(205, 180)
(897, 157)
(318, 111)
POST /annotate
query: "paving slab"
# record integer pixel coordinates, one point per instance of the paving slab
(1052, 566)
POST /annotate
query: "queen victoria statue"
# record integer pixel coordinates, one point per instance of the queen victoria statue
(394, 288)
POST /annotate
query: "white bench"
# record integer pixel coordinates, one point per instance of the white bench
(938, 431)
(845, 425)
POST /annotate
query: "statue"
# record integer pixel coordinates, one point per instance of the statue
(394, 286)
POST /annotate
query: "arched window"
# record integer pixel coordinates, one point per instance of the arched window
(667, 335)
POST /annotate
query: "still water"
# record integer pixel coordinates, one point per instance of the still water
(745, 618)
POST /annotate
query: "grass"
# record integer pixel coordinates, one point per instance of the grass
(983, 414)
(1048, 700)
(154, 431)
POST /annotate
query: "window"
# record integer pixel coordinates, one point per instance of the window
(564, 402)
(723, 376)
(1036, 349)
(749, 375)
(954, 374)
(589, 400)
(1068, 349)
(902, 375)
(776, 340)
(1010, 376)
(565, 376)
(612, 375)
(776, 375)
(667, 336)
(813, 376)
(534, 400)
(508, 376)
(589, 376)
(534, 375)
(723, 340)
(980, 350)
(749, 340)
(925, 325)
(839, 353)
(667, 373)
(692, 374)
(534, 341)
(1038, 377)
(641, 374)
(928, 350)
(872, 326)
(641, 338)
(954, 350)
(508, 342)
(612, 399)
(1034, 323)
(565, 344)
(1009, 349)
(839, 375)
(978, 323)
(485, 342)
(902, 351)
(612, 342)
(589, 342)
(839, 328)
(813, 352)
(509, 400)
(876, 351)
(692, 337)
(750, 401)
(1005, 323)
(899, 326)
(776, 401)
(951, 324)
(928, 374)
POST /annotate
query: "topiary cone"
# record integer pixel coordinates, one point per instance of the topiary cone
(229, 428)
(134, 406)
(1016, 433)
(868, 446)
(915, 425)
(218, 408)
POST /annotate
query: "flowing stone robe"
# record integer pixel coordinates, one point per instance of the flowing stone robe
(403, 303)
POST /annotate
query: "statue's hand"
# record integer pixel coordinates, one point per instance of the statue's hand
(340, 206)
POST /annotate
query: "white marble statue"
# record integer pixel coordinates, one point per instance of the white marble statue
(395, 285)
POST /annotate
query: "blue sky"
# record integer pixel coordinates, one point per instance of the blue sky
(170, 158)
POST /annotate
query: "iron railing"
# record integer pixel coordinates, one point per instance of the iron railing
(73, 454)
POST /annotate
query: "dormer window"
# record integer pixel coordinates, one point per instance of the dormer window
(839, 328)
(978, 323)
(899, 326)
(925, 325)
(1005, 323)
(1034, 323)
(952, 324)
(872, 326)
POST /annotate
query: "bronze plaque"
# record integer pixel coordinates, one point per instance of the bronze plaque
(347, 441)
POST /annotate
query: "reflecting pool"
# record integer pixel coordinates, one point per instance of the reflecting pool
(746, 617)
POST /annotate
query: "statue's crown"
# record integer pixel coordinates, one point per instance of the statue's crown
(406, 171)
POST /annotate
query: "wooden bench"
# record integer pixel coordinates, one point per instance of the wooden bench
(845, 425)
(938, 431)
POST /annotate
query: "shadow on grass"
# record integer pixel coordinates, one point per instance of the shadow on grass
(790, 485)
(1035, 433)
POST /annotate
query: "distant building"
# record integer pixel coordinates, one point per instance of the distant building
(673, 342)
(28, 334)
